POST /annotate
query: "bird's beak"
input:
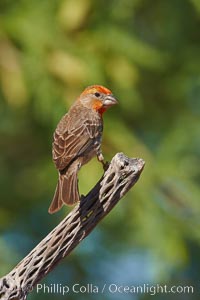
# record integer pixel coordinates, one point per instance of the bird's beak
(110, 100)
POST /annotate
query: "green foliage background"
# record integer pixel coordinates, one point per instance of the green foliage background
(147, 53)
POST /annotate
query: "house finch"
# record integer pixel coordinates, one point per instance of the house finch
(77, 139)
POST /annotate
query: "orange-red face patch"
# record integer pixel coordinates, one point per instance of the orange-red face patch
(98, 106)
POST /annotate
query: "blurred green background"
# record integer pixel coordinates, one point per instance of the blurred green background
(148, 54)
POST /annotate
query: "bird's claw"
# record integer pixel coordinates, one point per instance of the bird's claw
(101, 160)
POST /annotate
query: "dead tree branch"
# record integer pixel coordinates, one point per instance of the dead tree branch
(122, 174)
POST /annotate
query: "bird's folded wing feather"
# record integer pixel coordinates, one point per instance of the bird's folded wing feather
(72, 141)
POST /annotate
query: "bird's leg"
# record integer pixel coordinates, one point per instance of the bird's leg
(101, 160)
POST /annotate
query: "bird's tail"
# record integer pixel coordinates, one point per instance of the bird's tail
(66, 191)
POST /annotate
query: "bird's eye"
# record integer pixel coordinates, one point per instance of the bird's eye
(97, 94)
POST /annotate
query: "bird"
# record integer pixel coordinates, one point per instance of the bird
(76, 140)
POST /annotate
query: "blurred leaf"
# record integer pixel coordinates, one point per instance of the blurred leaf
(73, 14)
(11, 77)
(67, 67)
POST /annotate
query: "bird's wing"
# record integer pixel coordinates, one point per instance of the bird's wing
(72, 138)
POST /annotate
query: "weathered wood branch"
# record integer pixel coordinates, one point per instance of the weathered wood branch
(121, 175)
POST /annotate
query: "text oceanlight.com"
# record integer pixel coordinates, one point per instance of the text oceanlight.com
(113, 288)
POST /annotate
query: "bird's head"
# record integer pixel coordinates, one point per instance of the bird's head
(98, 98)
